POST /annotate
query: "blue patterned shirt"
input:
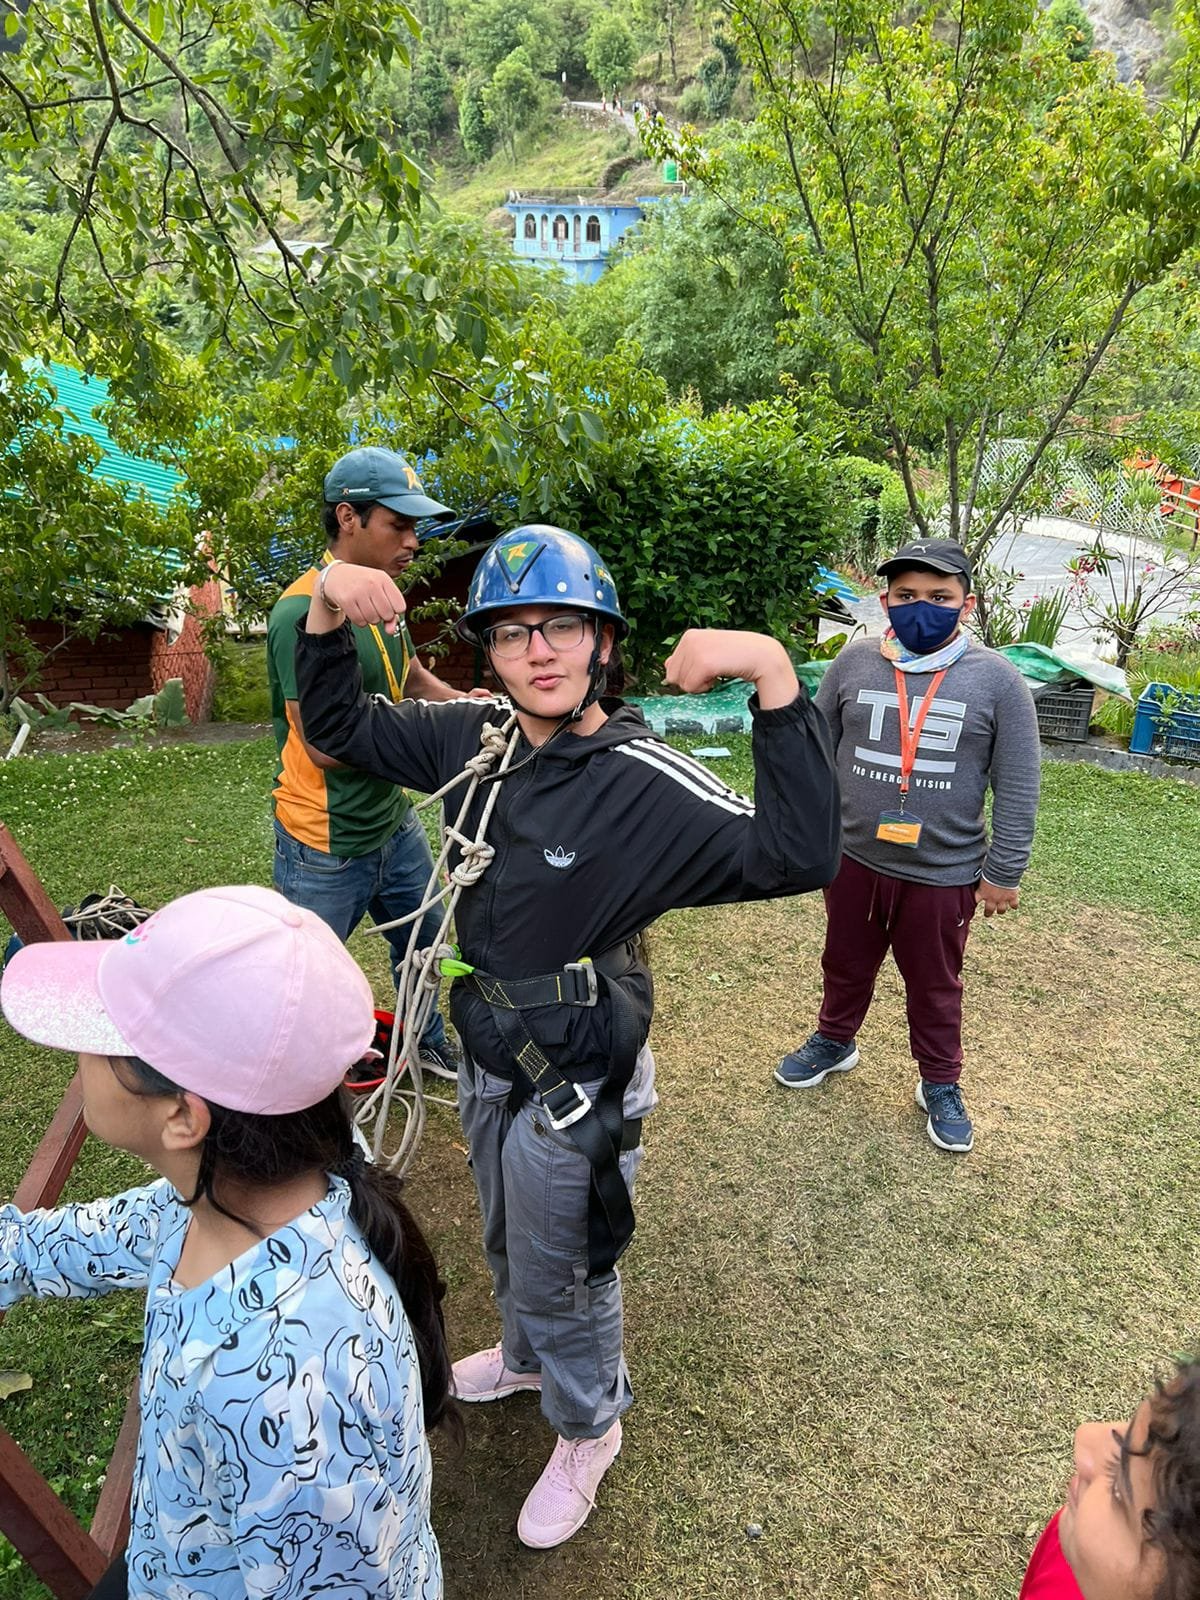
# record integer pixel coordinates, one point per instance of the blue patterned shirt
(282, 1450)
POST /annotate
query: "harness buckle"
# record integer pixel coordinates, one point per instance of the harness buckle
(579, 1110)
(585, 966)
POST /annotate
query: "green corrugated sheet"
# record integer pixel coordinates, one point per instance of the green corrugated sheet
(79, 398)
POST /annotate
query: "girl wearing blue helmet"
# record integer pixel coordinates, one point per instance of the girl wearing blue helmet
(598, 829)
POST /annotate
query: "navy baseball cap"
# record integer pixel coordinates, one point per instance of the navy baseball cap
(374, 475)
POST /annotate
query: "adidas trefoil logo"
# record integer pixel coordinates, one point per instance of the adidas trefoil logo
(558, 857)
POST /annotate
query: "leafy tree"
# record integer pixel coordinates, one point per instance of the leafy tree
(702, 291)
(170, 153)
(474, 129)
(493, 29)
(513, 99)
(657, 22)
(1068, 24)
(430, 99)
(611, 52)
(967, 222)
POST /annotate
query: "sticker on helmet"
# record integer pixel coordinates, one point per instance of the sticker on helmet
(518, 557)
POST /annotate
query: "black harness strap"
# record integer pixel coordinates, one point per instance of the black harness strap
(596, 1127)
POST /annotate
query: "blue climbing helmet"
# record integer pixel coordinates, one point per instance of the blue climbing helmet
(539, 565)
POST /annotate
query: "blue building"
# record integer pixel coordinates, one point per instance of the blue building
(570, 231)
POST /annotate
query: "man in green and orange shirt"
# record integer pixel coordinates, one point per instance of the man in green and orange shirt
(347, 843)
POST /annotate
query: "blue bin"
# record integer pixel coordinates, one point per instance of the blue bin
(1174, 732)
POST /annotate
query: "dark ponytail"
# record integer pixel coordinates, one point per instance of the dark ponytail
(244, 1148)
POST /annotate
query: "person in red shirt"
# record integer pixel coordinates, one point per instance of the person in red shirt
(1130, 1529)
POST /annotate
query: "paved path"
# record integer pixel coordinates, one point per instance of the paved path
(625, 117)
(1040, 553)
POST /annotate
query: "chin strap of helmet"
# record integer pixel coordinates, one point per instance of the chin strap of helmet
(595, 676)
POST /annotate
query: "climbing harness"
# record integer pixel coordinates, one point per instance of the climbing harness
(421, 969)
(598, 1128)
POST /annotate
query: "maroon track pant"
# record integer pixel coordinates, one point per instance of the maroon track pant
(925, 926)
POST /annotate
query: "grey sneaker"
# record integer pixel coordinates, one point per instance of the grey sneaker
(816, 1058)
(948, 1126)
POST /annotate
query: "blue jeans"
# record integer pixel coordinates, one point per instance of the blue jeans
(389, 882)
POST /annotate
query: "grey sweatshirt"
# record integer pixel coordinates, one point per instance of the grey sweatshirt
(981, 728)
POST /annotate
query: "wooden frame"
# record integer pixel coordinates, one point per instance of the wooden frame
(68, 1558)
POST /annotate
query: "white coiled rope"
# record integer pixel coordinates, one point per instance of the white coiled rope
(419, 975)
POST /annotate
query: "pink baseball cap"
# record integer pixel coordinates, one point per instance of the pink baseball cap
(235, 994)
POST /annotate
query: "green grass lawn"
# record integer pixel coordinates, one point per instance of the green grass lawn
(874, 1352)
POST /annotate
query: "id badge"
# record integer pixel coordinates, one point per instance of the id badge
(899, 827)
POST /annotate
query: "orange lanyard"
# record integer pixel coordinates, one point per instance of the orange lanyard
(911, 737)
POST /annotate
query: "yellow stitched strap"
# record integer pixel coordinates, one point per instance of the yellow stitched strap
(532, 1061)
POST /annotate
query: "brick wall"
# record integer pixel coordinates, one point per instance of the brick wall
(463, 667)
(119, 666)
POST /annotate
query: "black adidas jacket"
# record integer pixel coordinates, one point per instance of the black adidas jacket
(594, 838)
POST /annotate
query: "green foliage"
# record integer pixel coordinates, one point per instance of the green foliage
(702, 292)
(869, 515)
(242, 693)
(513, 98)
(693, 103)
(493, 29)
(1066, 24)
(939, 186)
(718, 74)
(430, 100)
(610, 52)
(711, 522)
(474, 129)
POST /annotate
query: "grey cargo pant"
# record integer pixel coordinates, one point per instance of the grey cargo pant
(533, 1191)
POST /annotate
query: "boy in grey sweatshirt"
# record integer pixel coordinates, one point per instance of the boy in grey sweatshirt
(923, 722)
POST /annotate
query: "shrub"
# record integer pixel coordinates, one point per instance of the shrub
(869, 515)
(693, 103)
(241, 693)
(718, 522)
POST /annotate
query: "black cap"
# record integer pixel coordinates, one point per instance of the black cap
(938, 555)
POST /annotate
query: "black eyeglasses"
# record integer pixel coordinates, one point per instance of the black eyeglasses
(509, 640)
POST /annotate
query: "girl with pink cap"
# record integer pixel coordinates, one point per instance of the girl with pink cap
(294, 1346)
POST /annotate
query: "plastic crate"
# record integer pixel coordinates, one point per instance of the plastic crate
(1166, 723)
(1065, 713)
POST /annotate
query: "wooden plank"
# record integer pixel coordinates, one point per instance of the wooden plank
(54, 1157)
(110, 1525)
(23, 899)
(39, 1526)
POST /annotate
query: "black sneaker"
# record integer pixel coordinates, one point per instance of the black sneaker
(948, 1126)
(441, 1061)
(816, 1058)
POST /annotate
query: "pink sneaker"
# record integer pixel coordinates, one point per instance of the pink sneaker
(561, 1501)
(484, 1376)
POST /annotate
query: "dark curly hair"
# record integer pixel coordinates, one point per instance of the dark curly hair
(1173, 1446)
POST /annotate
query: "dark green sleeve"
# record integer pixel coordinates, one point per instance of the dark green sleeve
(281, 644)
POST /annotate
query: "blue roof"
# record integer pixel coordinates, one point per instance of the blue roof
(79, 397)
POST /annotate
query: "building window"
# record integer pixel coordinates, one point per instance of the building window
(559, 230)
(530, 225)
(575, 233)
(543, 219)
(593, 230)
